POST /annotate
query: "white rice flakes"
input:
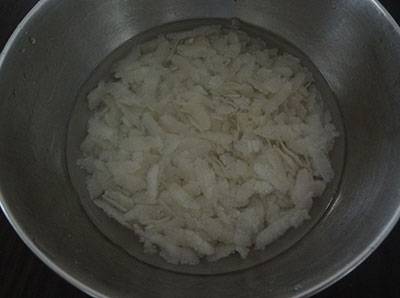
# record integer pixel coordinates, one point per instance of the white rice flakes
(207, 143)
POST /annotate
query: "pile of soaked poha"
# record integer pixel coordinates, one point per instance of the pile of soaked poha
(207, 143)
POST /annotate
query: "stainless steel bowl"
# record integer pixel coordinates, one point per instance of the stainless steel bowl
(62, 45)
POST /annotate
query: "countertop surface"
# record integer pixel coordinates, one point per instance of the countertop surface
(22, 274)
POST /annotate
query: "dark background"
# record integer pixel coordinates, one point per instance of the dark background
(23, 275)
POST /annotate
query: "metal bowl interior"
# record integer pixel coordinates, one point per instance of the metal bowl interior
(55, 51)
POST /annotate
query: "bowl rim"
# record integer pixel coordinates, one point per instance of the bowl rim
(81, 285)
